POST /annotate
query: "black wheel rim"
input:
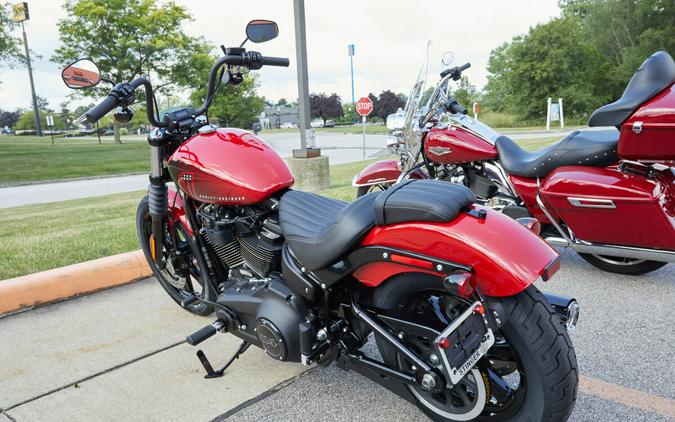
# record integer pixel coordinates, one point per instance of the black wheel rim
(500, 369)
(190, 284)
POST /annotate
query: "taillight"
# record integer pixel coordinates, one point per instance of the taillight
(551, 269)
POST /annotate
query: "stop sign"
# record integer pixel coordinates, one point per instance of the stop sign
(364, 106)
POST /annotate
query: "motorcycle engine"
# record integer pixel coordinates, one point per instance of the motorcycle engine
(245, 244)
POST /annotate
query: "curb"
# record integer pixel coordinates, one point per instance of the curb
(73, 280)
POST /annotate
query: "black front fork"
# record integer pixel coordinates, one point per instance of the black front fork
(158, 200)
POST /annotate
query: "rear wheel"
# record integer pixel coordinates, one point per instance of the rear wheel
(619, 265)
(363, 190)
(180, 276)
(530, 373)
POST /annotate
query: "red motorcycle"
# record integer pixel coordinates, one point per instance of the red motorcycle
(608, 194)
(307, 278)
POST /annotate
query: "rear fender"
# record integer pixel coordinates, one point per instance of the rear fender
(504, 256)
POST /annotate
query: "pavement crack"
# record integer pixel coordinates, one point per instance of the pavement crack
(263, 395)
(10, 417)
(89, 377)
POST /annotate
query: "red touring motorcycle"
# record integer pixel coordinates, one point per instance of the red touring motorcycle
(434, 277)
(608, 194)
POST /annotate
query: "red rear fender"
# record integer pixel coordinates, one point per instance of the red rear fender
(504, 255)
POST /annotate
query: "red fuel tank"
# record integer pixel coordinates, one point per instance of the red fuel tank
(457, 145)
(229, 166)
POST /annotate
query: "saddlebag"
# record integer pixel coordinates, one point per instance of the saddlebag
(421, 200)
(605, 205)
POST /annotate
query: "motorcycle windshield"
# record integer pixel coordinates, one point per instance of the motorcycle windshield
(412, 133)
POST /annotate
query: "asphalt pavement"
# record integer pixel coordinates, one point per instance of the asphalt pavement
(120, 355)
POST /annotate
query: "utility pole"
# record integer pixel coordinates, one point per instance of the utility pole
(21, 15)
(303, 82)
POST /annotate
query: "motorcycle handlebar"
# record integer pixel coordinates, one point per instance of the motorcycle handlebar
(121, 91)
(275, 61)
(101, 109)
(463, 67)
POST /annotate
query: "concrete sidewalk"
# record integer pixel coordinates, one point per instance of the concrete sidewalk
(120, 355)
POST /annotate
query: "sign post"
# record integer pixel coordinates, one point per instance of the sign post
(476, 110)
(50, 126)
(350, 51)
(364, 106)
(554, 112)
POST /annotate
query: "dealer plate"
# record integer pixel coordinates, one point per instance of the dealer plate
(468, 339)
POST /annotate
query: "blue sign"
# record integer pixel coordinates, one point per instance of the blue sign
(350, 50)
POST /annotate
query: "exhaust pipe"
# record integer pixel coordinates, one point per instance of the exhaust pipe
(614, 250)
(567, 307)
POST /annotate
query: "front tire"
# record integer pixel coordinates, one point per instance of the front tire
(618, 265)
(533, 346)
(177, 286)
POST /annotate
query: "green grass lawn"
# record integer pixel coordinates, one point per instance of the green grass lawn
(30, 158)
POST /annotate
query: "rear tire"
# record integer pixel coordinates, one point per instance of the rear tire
(543, 357)
(627, 266)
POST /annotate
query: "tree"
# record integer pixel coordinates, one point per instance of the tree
(27, 121)
(553, 60)
(130, 38)
(325, 106)
(625, 32)
(282, 103)
(387, 103)
(9, 118)
(10, 51)
(234, 105)
(466, 93)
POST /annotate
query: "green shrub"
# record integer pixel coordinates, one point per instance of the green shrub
(124, 131)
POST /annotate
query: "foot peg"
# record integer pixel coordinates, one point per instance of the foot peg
(205, 333)
(210, 372)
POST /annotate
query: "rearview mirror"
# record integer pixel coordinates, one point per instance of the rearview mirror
(260, 30)
(84, 73)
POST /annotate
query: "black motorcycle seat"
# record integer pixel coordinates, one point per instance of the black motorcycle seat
(654, 75)
(320, 230)
(593, 148)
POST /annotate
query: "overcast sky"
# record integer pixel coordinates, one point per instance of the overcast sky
(390, 38)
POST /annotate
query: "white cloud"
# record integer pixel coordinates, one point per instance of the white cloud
(389, 35)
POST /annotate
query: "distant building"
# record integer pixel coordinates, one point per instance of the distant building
(275, 117)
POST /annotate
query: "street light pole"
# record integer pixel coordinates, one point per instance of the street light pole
(303, 83)
(36, 112)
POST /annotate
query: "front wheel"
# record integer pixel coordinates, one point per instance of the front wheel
(529, 374)
(628, 266)
(180, 276)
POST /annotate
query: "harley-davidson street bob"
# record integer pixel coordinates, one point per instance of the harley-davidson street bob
(588, 191)
(462, 331)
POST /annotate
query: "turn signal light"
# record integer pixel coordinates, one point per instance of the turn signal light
(479, 309)
(444, 343)
(459, 284)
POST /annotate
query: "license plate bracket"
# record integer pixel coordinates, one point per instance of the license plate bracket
(464, 342)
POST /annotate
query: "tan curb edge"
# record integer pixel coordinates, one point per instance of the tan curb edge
(65, 282)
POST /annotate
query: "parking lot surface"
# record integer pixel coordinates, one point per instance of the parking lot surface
(119, 354)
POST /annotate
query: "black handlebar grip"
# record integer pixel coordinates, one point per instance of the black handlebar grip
(464, 67)
(201, 335)
(275, 61)
(100, 110)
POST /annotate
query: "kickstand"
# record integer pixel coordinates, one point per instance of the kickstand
(210, 373)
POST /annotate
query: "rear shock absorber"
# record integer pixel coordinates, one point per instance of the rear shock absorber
(158, 201)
